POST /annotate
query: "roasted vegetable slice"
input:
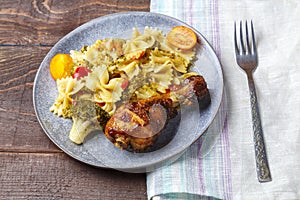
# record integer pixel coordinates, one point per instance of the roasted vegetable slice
(182, 37)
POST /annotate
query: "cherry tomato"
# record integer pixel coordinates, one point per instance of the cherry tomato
(125, 84)
(81, 72)
(61, 66)
(182, 37)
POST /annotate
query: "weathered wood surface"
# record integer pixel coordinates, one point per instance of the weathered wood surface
(55, 176)
(46, 21)
(31, 166)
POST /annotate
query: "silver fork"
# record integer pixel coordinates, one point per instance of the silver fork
(246, 58)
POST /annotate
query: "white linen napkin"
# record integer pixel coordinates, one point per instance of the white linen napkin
(221, 164)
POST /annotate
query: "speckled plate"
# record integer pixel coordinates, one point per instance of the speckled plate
(97, 150)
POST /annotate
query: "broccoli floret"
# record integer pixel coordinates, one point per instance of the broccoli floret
(87, 117)
(102, 116)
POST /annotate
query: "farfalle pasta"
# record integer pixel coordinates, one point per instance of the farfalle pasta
(139, 42)
(66, 87)
(162, 76)
(106, 91)
(117, 70)
(131, 69)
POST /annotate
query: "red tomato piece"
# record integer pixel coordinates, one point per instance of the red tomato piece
(125, 84)
(81, 72)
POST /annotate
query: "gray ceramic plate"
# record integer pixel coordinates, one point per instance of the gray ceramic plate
(97, 150)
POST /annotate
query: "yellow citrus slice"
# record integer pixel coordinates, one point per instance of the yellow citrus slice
(182, 37)
(61, 66)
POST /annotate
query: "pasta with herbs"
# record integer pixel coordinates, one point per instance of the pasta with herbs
(162, 76)
(101, 53)
(67, 87)
(156, 33)
(189, 56)
(131, 69)
(106, 91)
(139, 42)
(117, 70)
(178, 62)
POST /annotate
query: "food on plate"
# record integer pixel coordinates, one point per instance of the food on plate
(61, 66)
(87, 117)
(80, 72)
(182, 37)
(136, 125)
(112, 74)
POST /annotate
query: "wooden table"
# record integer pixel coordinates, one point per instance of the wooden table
(31, 166)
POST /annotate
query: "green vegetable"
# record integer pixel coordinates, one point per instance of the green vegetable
(87, 117)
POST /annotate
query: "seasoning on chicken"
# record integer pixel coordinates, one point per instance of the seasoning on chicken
(137, 125)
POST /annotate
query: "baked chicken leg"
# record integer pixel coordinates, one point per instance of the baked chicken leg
(135, 126)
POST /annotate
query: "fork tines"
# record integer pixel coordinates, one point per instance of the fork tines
(250, 48)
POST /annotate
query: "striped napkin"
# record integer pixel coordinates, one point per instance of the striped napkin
(221, 165)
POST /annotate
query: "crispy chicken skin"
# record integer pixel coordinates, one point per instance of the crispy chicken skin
(136, 125)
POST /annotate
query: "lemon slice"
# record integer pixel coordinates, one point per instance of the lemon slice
(182, 37)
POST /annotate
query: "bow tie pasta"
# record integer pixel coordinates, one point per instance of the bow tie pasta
(114, 70)
(67, 87)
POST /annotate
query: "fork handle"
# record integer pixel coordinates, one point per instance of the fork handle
(262, 166)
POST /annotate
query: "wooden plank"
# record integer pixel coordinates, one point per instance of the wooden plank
(31, 166)
(19, 126)
(45, 22)
(56, 176)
